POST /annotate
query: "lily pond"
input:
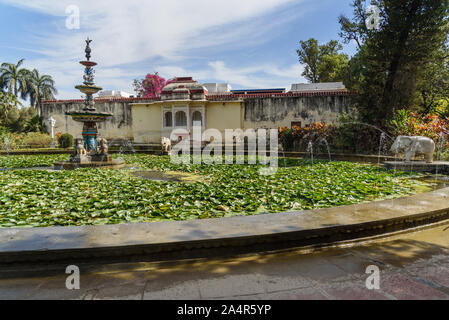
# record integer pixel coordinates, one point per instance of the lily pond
(42, 197)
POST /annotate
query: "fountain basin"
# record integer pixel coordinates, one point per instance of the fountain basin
(88, 63)
(441, 167)
(85, 116)
(89, 90)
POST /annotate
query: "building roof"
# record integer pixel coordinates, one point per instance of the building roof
(254, 91)
(114, 93)
(183, 88)
(228, 97)
(297, 87)
(217, 88)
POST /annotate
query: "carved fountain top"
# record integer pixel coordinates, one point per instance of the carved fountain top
(88, 49)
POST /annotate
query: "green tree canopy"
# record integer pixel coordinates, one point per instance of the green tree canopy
(393, 62)
(433, 83)
(8, 102)
(323, 63)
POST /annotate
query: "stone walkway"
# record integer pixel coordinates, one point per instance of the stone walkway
(412, 266)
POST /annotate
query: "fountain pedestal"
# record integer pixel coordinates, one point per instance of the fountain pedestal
(90, 151)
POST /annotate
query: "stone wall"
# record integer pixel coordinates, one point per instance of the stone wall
(282, 111)
(118, 126)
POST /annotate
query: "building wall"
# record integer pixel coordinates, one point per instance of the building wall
(282, 111)
(147, 123)
(224, 115)
(117, 127)
(141, 121)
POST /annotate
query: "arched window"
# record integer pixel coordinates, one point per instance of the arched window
(168, 119)
(180, 119)
(197, 117)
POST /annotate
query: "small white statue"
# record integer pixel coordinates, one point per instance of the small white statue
(166, 144)
(411, 146)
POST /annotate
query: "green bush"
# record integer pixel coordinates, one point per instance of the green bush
(36, 140)
(442, 155)
(65, 140)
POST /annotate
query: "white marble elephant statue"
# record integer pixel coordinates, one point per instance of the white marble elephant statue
(411, 146)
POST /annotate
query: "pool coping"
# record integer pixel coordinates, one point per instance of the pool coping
(169, 240)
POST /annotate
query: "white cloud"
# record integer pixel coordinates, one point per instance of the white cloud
(130, 33)
(135, 30)
(260, 76)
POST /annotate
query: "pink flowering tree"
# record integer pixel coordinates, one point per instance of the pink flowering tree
(151, 86)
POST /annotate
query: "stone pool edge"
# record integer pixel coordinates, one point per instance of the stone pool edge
(173, 240)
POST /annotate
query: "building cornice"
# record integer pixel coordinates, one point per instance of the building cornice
(221, 97)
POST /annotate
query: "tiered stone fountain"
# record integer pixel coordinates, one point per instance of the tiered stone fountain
(90, 151)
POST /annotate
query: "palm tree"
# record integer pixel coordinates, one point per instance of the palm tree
(15, 78)
(2, 84)
(40, 87)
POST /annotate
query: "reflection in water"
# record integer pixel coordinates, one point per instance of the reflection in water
(435, 182)
(170, 176)
(156, 176)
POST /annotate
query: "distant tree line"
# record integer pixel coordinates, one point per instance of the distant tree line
(401, 65)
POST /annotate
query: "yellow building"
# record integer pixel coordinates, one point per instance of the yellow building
(183, 104)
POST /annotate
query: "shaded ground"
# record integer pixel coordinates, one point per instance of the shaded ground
(413, 266)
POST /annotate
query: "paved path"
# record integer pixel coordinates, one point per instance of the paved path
(412, 266)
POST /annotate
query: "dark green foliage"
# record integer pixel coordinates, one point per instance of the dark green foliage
(323, 63)
(348, 135)
(391, 70)
(23, 120)
(65, 140)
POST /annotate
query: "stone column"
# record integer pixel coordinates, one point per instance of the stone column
(52, 125)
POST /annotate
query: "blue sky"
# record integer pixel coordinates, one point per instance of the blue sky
(249, 43)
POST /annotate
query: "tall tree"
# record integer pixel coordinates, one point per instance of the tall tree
(394, 56)
(331, 63)
(309, 55)
(40, 87)
(323, 63)
(15, 78)
(355, 29)
(433, 86)
(138, 88)
(2, 84)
